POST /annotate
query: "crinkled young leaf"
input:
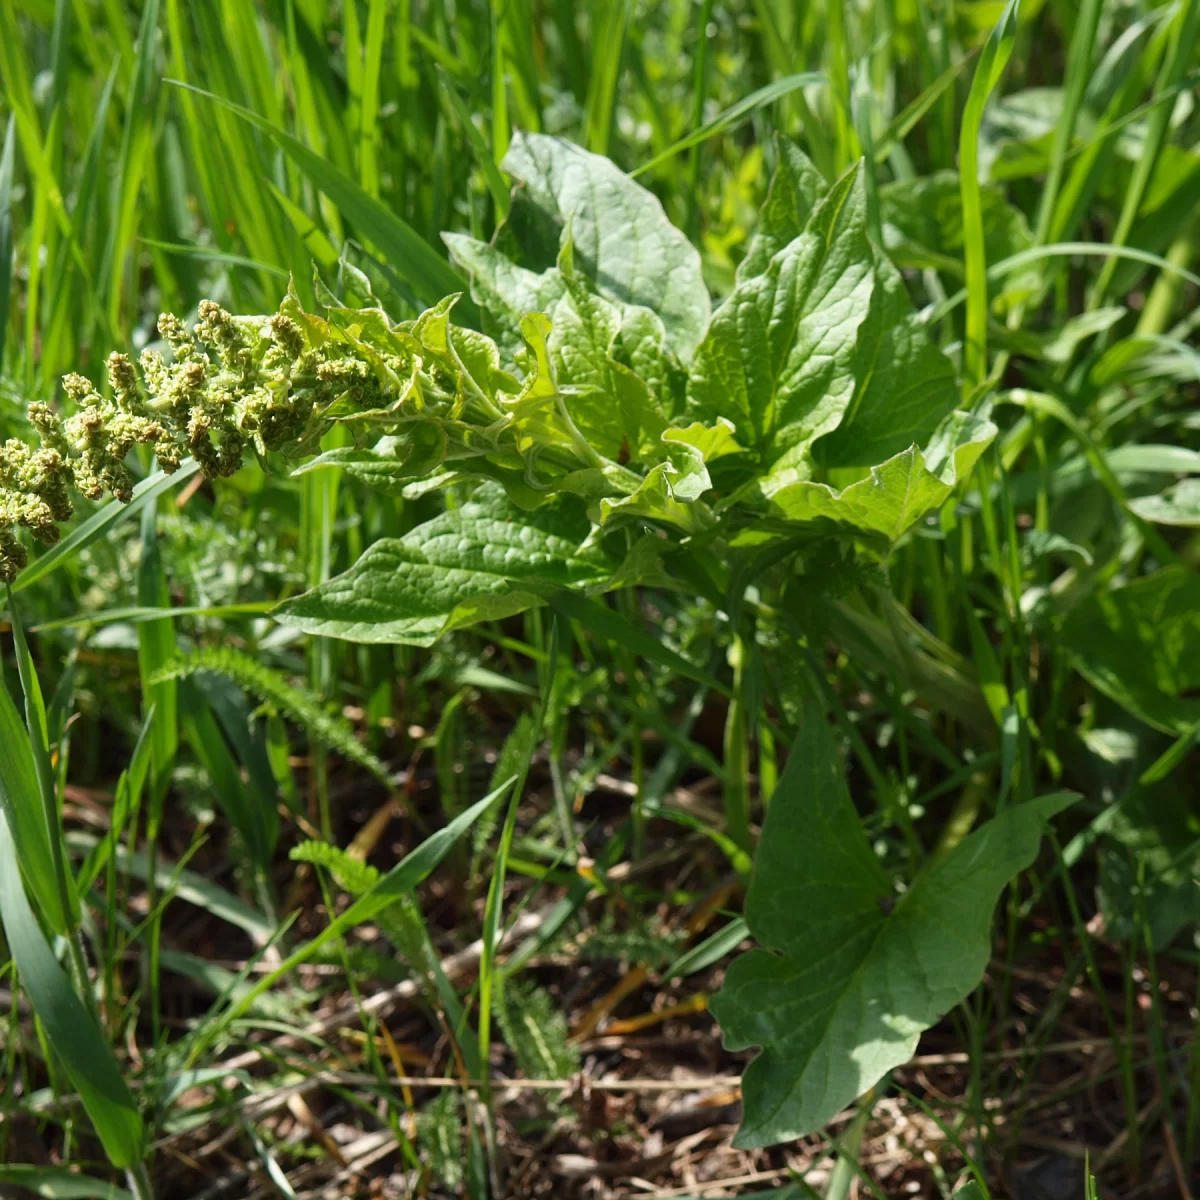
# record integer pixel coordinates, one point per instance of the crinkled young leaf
(611, 406)
(624, 242)
(503, 290)
(666, 495)
(779, 358)
(711, 441)
(463, 566)
(896, 494)
(845, 987)
(1140, 644)
(797, 187)
(905, 385)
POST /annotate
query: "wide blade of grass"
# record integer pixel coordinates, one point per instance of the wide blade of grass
(60, 1183)
(6, 179)
(70, 1029)
(991, 66)
(21, 801)
(732, 115)
(405, 251)
(39, 746)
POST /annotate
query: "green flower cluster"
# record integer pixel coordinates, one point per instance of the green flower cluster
(231, 382)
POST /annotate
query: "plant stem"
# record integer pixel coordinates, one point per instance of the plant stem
(138, 1179)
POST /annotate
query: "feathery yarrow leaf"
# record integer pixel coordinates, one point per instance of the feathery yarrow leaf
(535, 1029)
(291, 700)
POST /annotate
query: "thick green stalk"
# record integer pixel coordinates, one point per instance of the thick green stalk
(737, 756)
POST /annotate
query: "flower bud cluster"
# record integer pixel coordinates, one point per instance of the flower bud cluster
(229, 382)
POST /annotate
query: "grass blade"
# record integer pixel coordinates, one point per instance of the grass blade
(408, 254)
(397, 883)
(987, 74)
(6, 178)
(70, 1029)
(612, 627)
(20, 800)
(610, 19)
(733, 114)
(59, 1183)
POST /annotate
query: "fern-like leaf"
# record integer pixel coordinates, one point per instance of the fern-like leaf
(400, 922)
(298, 703)
(352, 874)
(535, 1029)
(439, 1134)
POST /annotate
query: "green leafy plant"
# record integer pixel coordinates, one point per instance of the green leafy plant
(602, 430)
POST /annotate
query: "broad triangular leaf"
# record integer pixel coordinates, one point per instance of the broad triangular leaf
(848, 982)
(624, 242)
(905, 385)
(797, 187)
(463, 566)
(780, 356)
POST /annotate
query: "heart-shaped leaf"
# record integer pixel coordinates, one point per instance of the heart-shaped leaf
(851, 974)
(463, 566)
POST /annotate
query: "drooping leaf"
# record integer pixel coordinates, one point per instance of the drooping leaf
(1140, 644)
(624, 243)
(463, 566)
(70, 1028)
(896, 494)
(1178, 505)
(841, 997)
(392, 463)
(779, 357)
